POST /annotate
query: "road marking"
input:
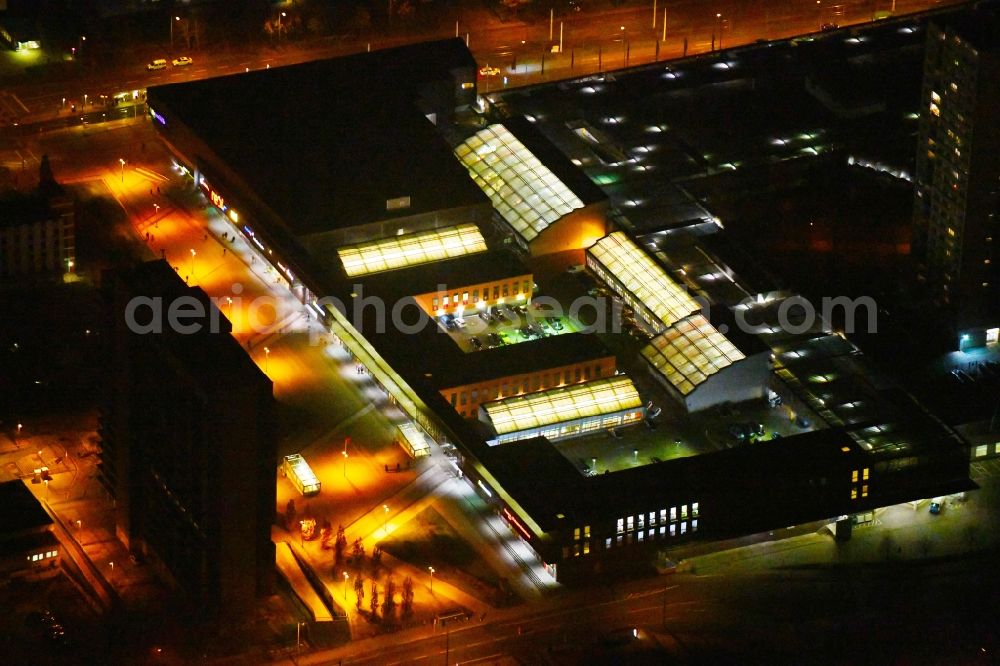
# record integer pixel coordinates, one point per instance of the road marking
(15, 98)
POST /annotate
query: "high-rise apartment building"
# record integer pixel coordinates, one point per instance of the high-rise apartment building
(957, 206)
(188, 446)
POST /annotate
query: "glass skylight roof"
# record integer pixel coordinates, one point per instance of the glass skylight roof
(534, 410)
(644, 278)
(689, 352)
(411, 249)
(522, 189)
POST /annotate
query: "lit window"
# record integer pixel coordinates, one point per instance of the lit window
(684, 512)
(465, 297)
(663, 515)
(630, 523)
(641, 537)
(854, 493)
(854, 476)
(586, 531)
(864, 474)
(445, 301)
(694, 509)
(935, 111)
(642, 521)
(864, 490)
(621, 525)
(607, 543)
(652, 518)
(576, 550)
(694, 525)
(467, 85)
(586, 548)
(673, 530)
(673, 513)
(935, 97)
(576, 534)
(684, 527)
(663, 531)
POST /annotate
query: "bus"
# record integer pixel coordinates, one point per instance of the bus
(301, 475)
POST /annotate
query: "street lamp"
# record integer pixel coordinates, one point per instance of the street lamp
(385, 519)
(267, 355)
(718, 21)
(345, 464)
(193, 253)
(121, 161)
(280, 16)
(346, 576)
(17, 434)
(431, 569)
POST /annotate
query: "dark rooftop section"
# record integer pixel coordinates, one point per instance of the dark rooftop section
(519, 466)
(529, 356)
(17, 209)
(461, 271)
(216, 359)
(549, 155)
(325, 144)
(21, 511)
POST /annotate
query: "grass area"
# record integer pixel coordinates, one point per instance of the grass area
(428, 540)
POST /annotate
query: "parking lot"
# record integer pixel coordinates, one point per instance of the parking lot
(503, 325)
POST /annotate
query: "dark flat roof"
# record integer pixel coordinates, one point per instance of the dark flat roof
(21, 511)
(215, 359)
(523, 357)
(326, 143)
(548, 154)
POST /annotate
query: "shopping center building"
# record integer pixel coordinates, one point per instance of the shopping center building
(456, 238)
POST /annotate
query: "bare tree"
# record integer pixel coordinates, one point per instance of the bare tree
(389, 603)
(407, 595)
(359, 590)
(373, 604)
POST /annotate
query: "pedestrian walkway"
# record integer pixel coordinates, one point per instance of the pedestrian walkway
(292, 572)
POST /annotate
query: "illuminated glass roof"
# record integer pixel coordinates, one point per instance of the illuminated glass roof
(534, 410)
(523, 190)
(689, 352)
(411, 249)
(644, 278)
(302, 470)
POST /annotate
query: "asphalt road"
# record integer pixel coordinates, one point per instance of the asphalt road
(592, 41)
(922, 612)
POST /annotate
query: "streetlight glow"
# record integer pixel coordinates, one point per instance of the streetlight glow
(121, 161)
(431, 569)
(385, 519)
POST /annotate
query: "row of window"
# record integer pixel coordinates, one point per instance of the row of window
(633, 523)
(505, 290)
(558, 431)
(641, 536)
(43, 556)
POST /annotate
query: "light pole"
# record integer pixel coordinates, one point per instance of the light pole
(267, 355)
(346, 576)
(112, 565)
(431, 569)
(624, 47)
(718, 20)
(345, 464)
(121, 161)
(280, 16)
(83, 38)
(385, 519)
(17, 435)
(47, 489)
(193, 253)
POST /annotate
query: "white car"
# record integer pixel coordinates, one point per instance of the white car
(159, 63)
(183, 61)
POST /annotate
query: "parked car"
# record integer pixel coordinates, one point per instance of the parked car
(935, 508)
(182, 61)
(159, 63)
